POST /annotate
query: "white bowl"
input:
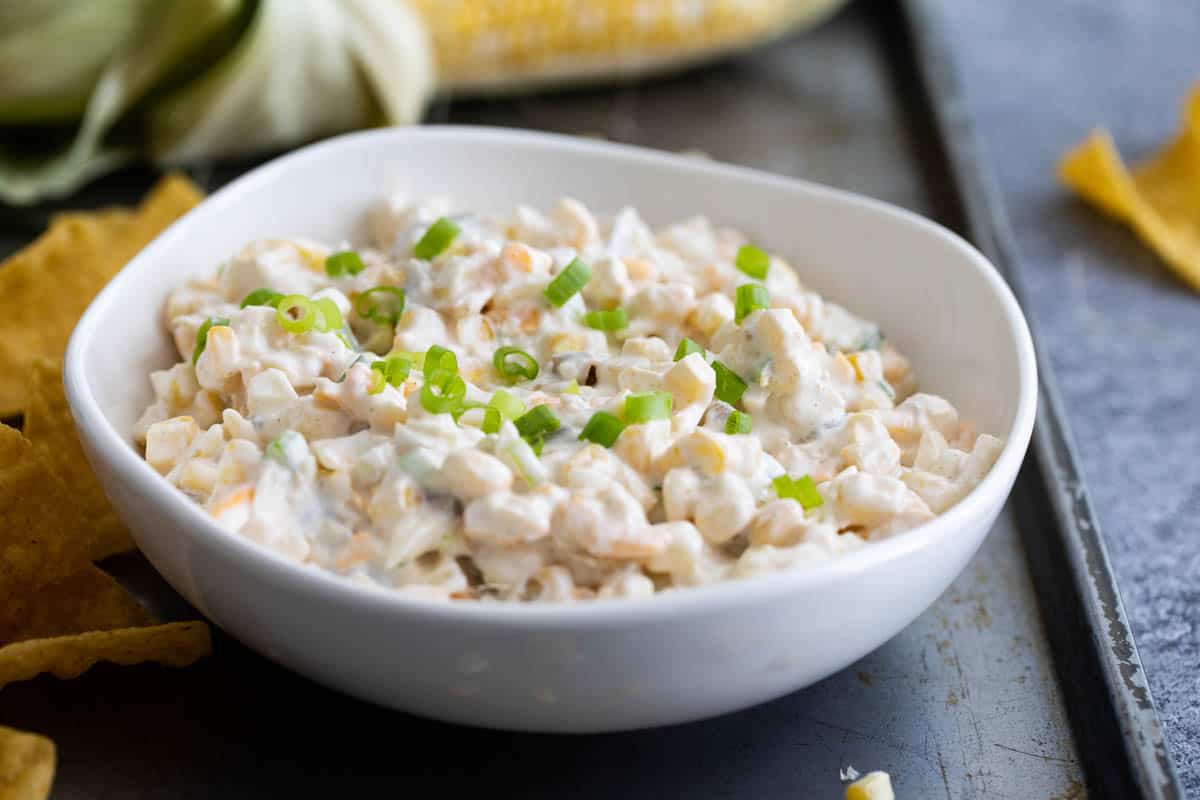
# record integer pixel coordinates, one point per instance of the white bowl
(603, 666)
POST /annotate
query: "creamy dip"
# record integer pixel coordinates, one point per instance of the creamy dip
(545, 407)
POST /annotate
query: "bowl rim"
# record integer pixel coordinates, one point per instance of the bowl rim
(138, 475)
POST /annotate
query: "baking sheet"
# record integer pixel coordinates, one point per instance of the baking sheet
(962, 704)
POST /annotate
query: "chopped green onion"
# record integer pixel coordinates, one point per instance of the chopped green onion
(346, 262)
(750, 298)
(647, 406)
(279, 447)
(535, 423)
(753, 262)
(603, 429)
(262, 297)
(523, 365)
(438, 236)
(686, 348)
(730, 386)
(803, 490)
(572, 387)
(464, 407)
(439, 359)
(202, 336)
(738, 422)
(568, 282)
(492, 420)
(442, 392)
(386, 308)
(395, 370)
(303, 320)
(378, 381)
(612, 320)
(536, 444)
(329, 316)
(417, 359)
(509, 406)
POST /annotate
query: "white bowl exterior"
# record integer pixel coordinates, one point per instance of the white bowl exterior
(605, 666)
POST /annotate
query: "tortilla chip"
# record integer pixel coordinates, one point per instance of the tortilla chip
(175, 644)
(46, 287)
(51, 430)
(40, 537)
(89, 600)
(1160, 200)
(26, 765)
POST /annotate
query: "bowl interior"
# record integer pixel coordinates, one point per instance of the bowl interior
(924, 287)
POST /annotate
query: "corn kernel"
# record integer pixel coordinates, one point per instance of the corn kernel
(872, 786)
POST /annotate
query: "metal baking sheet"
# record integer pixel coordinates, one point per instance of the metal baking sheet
(1125, 754)
(962, 704)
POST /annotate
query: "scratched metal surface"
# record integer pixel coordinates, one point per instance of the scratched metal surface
(962, 704)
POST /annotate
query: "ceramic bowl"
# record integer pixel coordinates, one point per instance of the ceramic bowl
(602, 666)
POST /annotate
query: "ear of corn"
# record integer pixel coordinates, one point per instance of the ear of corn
(495, 44)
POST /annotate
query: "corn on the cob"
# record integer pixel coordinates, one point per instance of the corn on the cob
(495, 44)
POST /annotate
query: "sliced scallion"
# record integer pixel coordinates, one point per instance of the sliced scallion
(437, 238)
(686, 348)
(535, 423)
(513, 363)
(442, 392)
(750, 297)
(613, 319)
(439, 359)
(603, 429)
(647, 406)
(344, 263)
(262, 297)
(202, 336)
(738, 422)
(752, 261)
(567, 283)
(381, 304)
(509, 406)
(730, 387)
(296, 313)
(803, 490)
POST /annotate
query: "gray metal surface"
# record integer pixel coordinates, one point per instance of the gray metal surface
(962, 704)
(1118, 331)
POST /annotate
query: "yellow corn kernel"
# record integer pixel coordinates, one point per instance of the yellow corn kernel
(872, 786)
(566, 343)
(703, 451)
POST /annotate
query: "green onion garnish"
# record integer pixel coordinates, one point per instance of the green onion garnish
(437, 238)
(752, 261)
(612, 320)
(750, 297)
(346, 262)
(464, 407)
(603, 429)
(738, 422)
(647, 406)
(329, 316)
(395, 371)
(568, 282)
(442, 392)
(385, 307)
(492, 420)
(262, 297)
(439, 359)
(509, 406)
(304, 316)
(730, 386)
(513, 363)
(535, 423)
(803, 490)
(378, 381)
(686, 348)
(202, 336)
(572, 387)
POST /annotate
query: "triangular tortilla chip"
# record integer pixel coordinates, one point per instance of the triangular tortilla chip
(26, 765)
(1160, 200)
(50, 428)
(175, 644)
(89, 600)
(46, 287)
